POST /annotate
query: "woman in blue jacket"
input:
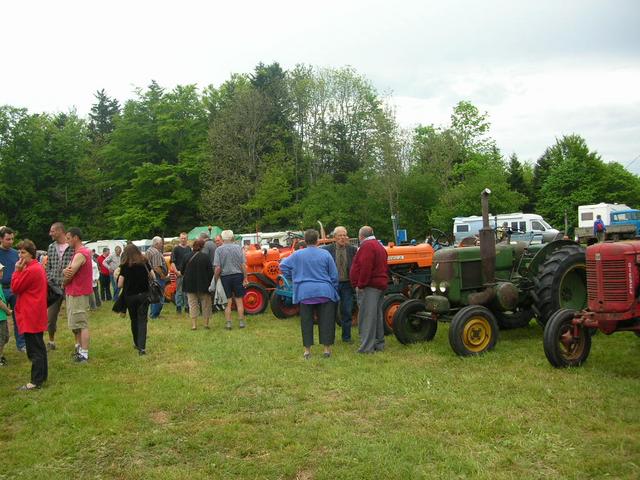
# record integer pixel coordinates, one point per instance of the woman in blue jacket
(315, 288)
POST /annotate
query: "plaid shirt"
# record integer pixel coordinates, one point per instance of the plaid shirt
(55, 264)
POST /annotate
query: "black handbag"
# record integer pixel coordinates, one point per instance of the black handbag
(54, 293)
(155, 289)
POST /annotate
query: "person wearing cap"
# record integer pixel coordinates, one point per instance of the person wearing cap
(4, 329)
(29, 283)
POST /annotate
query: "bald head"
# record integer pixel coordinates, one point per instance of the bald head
(365, 232)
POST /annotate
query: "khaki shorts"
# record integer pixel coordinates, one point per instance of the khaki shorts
(78, 311)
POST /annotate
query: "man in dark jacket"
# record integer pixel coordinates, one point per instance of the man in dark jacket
(343, 253)
(369, 274)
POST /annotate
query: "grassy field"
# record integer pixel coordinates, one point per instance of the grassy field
(244, 404)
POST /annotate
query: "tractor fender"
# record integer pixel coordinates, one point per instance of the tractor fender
(545, 252)
(263, 279)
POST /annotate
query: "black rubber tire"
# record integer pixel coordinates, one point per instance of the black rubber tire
(258, 291)
(466, 324)
(408, 328)
(418, 291)
(518, 319)
(390, 305)
(549, 294)
(280, 309)
(558, 354)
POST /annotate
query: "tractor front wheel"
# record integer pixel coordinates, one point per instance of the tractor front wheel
(473, 331)
(389, 307)
(282, 307)
(255, 299)
(411, 323)
(565, 345)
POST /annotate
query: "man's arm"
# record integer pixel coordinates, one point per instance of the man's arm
(72, 269)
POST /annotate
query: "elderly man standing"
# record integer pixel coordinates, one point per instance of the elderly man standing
(112, 262)
(210, 246)
(370, 277)
(156, 260)
(231, 268)
(343, 252)
(59, 255)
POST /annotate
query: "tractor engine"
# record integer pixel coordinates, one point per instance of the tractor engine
(613, 282)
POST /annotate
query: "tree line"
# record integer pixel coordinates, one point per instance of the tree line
(273, 150)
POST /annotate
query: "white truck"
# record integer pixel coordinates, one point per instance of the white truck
(620, 220)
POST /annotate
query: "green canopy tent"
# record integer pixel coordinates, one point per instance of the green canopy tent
(212, 230)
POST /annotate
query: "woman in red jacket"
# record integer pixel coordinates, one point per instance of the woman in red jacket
(29, 283)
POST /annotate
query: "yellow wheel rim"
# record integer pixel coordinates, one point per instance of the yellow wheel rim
(476, 334)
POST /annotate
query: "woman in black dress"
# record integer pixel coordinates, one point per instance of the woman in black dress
(134, 284)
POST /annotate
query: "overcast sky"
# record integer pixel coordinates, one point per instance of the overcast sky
(541, 69)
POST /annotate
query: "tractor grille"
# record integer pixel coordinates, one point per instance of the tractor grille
(614, 280)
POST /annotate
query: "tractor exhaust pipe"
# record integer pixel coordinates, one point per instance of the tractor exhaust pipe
(487, 242)
(487, 255)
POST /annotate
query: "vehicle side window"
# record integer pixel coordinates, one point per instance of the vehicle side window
(514, 225)
(462, 228)
(586, 216)
(523, 226)
(536, 225)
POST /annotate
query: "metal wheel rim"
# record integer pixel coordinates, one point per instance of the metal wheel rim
(476, 334)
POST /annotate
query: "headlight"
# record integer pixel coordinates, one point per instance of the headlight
(444, 286)
(434, 287)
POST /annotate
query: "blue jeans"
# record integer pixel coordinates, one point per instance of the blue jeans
(181, 297)
(345, 291)
(156, 308)
(11, 301)
(114, 286)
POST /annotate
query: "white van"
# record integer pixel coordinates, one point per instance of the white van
(519, 222)
(99, 245)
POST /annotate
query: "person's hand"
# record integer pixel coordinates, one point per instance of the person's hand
(20, 264)
(245, 282)
(9, 312)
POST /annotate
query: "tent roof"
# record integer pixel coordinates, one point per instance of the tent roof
(195, 232)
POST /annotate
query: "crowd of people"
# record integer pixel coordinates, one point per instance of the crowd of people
(208, 272)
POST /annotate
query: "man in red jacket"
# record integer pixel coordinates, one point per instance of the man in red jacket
(369, 276)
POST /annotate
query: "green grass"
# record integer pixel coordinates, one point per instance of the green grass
(244, 404)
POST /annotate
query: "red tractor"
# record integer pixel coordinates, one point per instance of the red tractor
(613, 304)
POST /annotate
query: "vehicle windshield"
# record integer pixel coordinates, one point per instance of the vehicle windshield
(545, 224)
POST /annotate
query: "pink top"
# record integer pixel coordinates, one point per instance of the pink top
(82, 281)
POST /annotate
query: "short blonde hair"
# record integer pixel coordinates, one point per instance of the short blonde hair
(227, 235)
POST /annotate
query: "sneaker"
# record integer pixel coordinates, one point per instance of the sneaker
(178, 310)
(3, 362)
(80, 358)
(141, 352)
(227, 325)
(242, 324)
(22, 349)
(51, 346)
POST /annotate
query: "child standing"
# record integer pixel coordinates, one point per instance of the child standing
(4, 329)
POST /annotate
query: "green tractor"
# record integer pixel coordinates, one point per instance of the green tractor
(483, 288)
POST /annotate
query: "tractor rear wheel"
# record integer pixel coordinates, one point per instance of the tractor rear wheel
(255, 299)
(564, 344)
(516, 319)
(282, 307)
(411, 323)
(389, 307)
(473, 330)
(561, 283)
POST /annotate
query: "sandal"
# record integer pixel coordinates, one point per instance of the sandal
(307, 355)
(194, 328)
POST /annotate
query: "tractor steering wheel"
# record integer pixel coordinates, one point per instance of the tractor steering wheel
(440, 239)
